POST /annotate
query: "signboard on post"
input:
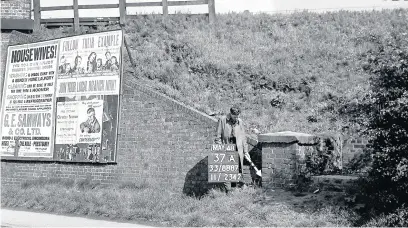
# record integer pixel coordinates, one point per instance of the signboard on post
(61, 99)
(28, 101)
(223, 164)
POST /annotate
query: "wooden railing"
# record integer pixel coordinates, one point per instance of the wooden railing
(77, 21)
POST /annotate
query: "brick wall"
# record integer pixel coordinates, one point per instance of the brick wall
(353, 147)
(4, 41)
(282, 162)
(160, 140)
(284, 156)
(277, 164)
(16, 9)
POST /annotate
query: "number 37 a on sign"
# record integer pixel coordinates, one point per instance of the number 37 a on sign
(223, 158)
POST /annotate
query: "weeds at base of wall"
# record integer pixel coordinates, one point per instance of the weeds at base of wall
(146, 201)
(84, 184)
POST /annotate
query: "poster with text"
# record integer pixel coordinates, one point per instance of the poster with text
(87, 93)
(90, 64)
(79, 122)
(28, 101)
(74, 145)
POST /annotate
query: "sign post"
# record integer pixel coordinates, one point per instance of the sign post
(223, 164)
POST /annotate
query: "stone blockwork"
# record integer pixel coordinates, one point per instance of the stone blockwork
(283, 156)
(160, 140)
(16, 9)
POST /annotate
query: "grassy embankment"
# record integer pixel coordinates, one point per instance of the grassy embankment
(289, 72)
(169, 207)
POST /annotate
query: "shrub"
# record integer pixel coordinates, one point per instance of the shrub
(325, 158)
(360, 163)
(398, 218)
(386, 109)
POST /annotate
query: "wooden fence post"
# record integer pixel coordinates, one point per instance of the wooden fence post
(37, 15)
(76, 16)
(122, 12)
(165, 8)
(211, 11)
(132, 61)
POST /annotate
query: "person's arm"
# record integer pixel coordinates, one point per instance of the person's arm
(219, 132)
(97, 127)
(245, 144)
(82, 127)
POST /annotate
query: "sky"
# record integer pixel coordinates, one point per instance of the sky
(225, 6)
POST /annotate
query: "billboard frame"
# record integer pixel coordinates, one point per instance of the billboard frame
(54, 152)
(120, 94)
(3, 97)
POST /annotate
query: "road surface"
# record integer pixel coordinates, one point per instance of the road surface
(16, 218)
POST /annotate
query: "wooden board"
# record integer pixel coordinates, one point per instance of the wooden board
(223, 164)
(17, 24)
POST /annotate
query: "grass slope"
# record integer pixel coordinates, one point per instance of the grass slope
(288, 72)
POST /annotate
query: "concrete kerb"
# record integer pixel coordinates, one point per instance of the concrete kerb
(288, 137)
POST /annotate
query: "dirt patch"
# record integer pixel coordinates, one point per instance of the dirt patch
(302, 201)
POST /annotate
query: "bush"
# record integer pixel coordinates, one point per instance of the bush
(386, 118)
(360, 163)
(398, 218)
(325, 158)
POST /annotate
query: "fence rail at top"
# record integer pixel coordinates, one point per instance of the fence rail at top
(122, 5)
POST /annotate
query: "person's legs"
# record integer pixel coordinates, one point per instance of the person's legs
(226, 187)
(241, 169)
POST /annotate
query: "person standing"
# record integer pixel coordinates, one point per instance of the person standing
(230, 130)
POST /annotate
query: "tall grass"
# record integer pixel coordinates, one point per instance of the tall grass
(166, 206)
(289, 72)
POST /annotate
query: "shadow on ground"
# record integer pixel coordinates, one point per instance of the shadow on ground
(196, 181)
(301, 201)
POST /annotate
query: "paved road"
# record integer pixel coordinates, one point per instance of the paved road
(15, 218)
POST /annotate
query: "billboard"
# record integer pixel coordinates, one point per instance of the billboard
(28, 101)
(87, 94)
(61, 98)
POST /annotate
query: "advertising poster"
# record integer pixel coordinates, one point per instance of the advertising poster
(87, 93)
(28, 101)
(79, 122)
(90, 64)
